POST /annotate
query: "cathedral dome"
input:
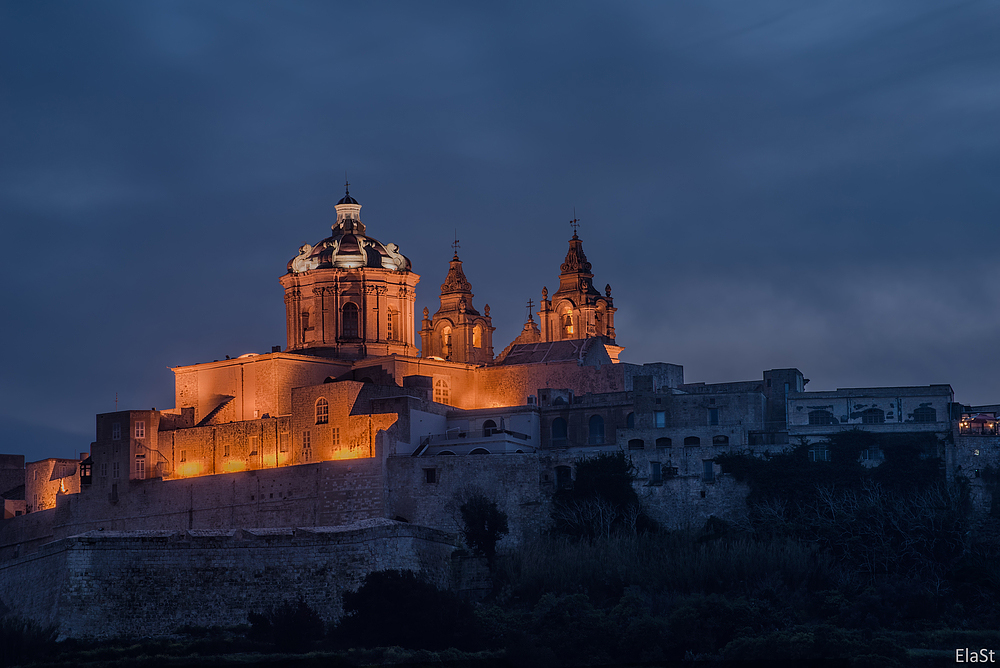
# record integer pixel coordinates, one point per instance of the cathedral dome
(348, 247)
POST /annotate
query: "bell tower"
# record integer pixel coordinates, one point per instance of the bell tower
(350, 296)
(457, 332)
(577, 310)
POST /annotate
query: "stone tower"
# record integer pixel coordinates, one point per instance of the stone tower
(350, 296)
(457, 332)
(577, 310)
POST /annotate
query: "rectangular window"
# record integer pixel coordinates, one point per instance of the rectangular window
(104, 469)
(306, 439)
(140, 467)
(254, 444)
(660, 418)
(140, 429)
(115, 469)
(430, 475)
(184, 455)
(655, 473)
(283, 441)
(116, 431)
(335, 434)
(713, 416)
(225, 450)
(708, 471)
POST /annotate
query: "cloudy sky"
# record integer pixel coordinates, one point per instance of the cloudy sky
(764, 184)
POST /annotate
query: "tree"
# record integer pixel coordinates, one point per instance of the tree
(483, 525)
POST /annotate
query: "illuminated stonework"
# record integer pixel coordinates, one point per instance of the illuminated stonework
(457, 332)
(350, 296)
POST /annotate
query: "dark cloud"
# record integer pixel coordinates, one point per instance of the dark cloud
(763, 184)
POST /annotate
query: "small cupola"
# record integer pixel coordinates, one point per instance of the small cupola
(349, 213)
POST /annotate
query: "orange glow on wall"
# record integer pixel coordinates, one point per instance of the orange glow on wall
(189, 469)
(234, 465)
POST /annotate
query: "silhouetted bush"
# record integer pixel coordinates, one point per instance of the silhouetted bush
(399, 608)
(291, 627)
(23, 640)
(483, 525)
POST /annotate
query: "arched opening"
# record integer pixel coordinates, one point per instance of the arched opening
(821, 417)
(925, 414)
(630, 421)
(322, 411)
(720, 440)
(559, 431)
(692, 440)
(873, 416)
(480, 451)
(446, 452)
(442, 391)
(567, 323)
(349, 320)
(489, 428)
(446, 342)
(663, 442)
(636, 444)
(477, 336)
(596, 430)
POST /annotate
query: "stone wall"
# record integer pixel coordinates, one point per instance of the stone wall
(150, 583)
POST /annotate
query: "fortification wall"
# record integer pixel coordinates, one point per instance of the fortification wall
(433, 499)
(320, 494)
(150, 583)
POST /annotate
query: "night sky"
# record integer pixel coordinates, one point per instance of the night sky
(763, 184)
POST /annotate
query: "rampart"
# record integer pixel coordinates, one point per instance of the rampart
(151, 583)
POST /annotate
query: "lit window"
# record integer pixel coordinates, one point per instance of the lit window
(140, 467)
(335, 434)
(660, 418)
(116, 431)
(442, 391)
(140, 429)
(322, 411)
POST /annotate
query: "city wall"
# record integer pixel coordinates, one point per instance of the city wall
(151, 583)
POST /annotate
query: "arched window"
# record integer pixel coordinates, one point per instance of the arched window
(692, 440)
(925, 414)
(873, 416)
(322, 411)
(349, 320)
(630, 421)
(489, 428)
(480, 451)
(559, 430)
(477, 336)
(821, 417)
(596, 430)
(720, 440)
(636, 444)
(663, 442)
(442, 391)
(567, 323)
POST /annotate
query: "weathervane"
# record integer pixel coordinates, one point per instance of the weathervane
(575, 223)
(454, 244)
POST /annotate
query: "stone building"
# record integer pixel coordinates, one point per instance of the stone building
(347, 423)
